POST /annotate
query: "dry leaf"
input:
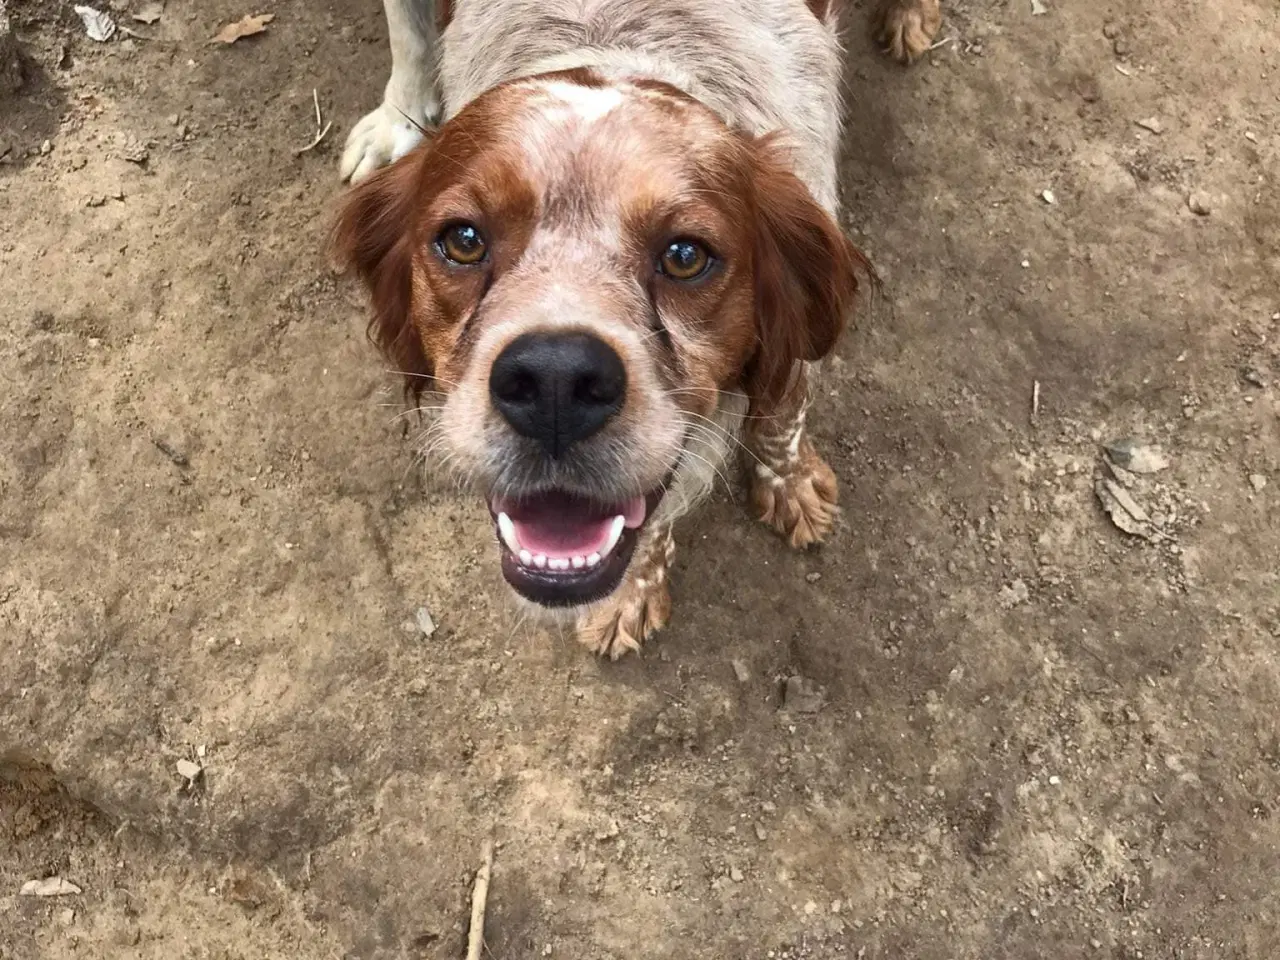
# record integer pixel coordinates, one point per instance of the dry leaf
(246, 27)
(49, 887)
(98, 25)
(149, 13)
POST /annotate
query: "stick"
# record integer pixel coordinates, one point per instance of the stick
(479, 900)
(315, 98)
(1035, 398)
(316, 142)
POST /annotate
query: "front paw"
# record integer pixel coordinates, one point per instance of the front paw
(799, 503)
(907, 27)
(624, 621)
(384, 136)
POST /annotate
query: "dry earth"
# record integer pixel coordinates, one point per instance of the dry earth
(1038, 736)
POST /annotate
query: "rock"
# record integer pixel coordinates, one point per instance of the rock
(1048, 197)
(801, 695)
(735, 875)
(189, 770)
(812, 577)
(741, 672)
(1198, 203)
(11, 78)
(1014, 594)
(1151, 124)
(1258, 482)
(1129, 454)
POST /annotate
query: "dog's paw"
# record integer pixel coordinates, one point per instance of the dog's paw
(639, 608)
(382, 137)
(907, 27)
(799, 504)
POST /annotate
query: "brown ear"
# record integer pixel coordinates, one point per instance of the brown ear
(374, 236)
(806, 275)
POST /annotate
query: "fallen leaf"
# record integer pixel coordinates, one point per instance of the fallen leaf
(98, 25)
(49, 887)
(1123, 509)
(422, 617)
(149, 13)
(248, 26)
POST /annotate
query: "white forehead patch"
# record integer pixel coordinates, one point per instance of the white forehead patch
(585, 103)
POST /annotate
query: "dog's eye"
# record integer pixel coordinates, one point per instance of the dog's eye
(463, 244)
(684, 260)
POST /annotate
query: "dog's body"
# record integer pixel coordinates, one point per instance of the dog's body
(625, 229)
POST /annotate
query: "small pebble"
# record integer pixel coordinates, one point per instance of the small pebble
(1258, 482)
(1199, 204)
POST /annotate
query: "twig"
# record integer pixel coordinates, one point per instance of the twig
(315, 98)
(942, 43)
(479, 900)
(173, 453)
(316, 142)
(1035, 398)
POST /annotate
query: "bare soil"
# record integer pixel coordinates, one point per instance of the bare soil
(1036, 735)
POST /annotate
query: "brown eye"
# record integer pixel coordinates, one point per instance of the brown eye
(684, 260)
(462, 244)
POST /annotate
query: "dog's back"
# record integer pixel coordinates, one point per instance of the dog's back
(763, 65)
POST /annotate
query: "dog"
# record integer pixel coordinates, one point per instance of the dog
(600, 243)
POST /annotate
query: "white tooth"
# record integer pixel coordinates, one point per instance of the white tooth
(526, 558)
(507, 530)
(615, 532)
(558, 564)
(579, 563)
(540, 560)
(593, 559)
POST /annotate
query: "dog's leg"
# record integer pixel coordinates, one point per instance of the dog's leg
(410, 102)
(907, 27)
(792, 488)
(640, 606)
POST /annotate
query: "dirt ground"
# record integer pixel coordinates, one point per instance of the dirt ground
(1037, 735)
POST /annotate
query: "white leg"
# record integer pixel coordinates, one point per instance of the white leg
(410, 100)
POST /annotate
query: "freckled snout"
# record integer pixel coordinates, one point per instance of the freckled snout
(557, 388)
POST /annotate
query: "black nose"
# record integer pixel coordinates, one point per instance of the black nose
(557, 388)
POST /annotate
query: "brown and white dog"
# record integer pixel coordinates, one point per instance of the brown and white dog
(610, 264)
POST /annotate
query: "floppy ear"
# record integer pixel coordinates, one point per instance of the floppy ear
(805, 277)
(374, 236)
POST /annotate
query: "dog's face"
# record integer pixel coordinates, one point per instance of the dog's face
(584, 272)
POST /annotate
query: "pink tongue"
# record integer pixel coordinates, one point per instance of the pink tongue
(565, 527)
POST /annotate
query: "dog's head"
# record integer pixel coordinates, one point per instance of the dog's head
(584, 272)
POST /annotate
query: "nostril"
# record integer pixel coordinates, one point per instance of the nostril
(517, 386)
(599, 389)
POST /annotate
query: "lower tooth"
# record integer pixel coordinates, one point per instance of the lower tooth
(540, 560)
(579, 563)
(558, 564)
(593, 559)
(526, 558)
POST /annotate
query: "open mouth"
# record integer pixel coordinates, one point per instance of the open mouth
(561, 549)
